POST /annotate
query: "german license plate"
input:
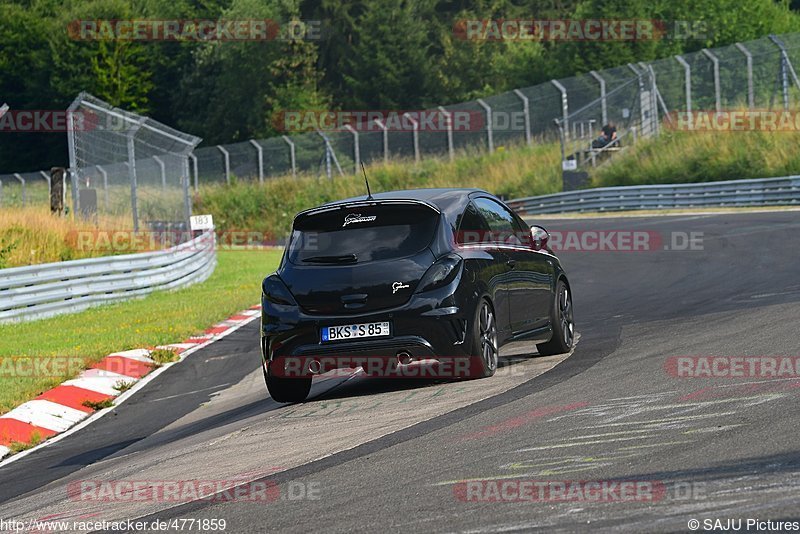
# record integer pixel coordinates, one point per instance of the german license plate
(355, 331)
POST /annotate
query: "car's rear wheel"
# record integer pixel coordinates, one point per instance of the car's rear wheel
(283, 389)
(484, 340)
(563, 325)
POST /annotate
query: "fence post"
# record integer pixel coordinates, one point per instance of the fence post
(194, 165)
(751, 102)
(687, 84)
(226, 156)
(73, 186)
(633, 68)
(563, 141)
(131, 174)
(22, 181)
(385, 140)
(786, 68)
(103, 172)
(356, 147)
(291, 155)
(603, 102)
(717, 89)
(187, 203)
(526, 110)
(415, 135)
(789, 65)
(47, 178)
(489, 128)
(642, 114)
(654, 96)
(448, 117)
(73, 157)
(260, 152)
(329, 152)
(564, 106)
(163, 171)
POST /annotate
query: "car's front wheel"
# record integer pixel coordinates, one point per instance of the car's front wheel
(563, 325)
(283, 389)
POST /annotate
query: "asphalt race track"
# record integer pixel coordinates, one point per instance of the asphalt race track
(406, 456)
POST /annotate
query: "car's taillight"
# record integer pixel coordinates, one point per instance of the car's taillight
(276, 292)
(441, 273)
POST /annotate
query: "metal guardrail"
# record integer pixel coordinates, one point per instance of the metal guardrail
(761, 192)
(40, 291)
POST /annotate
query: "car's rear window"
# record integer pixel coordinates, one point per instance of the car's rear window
(369, 233)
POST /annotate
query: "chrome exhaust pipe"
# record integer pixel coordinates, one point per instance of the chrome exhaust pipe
(404, 357)
(314, 367)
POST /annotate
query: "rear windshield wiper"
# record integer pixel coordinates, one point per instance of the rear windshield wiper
(343, 258)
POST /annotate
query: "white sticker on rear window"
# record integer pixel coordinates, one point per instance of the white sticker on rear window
(357, 218)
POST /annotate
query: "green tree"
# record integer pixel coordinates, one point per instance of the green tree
(118, 71)
(388, 65)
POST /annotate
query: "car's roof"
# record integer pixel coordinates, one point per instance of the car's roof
(450, 201)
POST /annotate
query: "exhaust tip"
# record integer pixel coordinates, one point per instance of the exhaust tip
(314, 367)
(404, 357)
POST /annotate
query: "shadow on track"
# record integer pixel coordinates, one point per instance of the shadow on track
(360, 385)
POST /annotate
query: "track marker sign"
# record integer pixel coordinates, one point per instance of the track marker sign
(202, 222)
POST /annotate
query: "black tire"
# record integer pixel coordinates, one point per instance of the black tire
(287, 389)
(484, 340)
(563, 324)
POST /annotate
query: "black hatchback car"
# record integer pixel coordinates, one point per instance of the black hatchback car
(436, 275)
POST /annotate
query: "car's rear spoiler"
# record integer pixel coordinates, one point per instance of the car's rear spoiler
(325, 208)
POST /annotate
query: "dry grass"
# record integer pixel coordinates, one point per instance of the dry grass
(32, 235)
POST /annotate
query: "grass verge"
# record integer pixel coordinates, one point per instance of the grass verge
(19, 446)
(689, 157)
(269, 208)
(163, 356)
(158, 319)
(99, 405)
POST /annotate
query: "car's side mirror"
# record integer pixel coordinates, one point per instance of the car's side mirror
(539, 237)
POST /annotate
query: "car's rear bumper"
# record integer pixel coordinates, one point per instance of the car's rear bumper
(430, 326)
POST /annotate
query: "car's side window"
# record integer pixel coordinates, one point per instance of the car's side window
(503, 227)
(472, 228)
(523, 230)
